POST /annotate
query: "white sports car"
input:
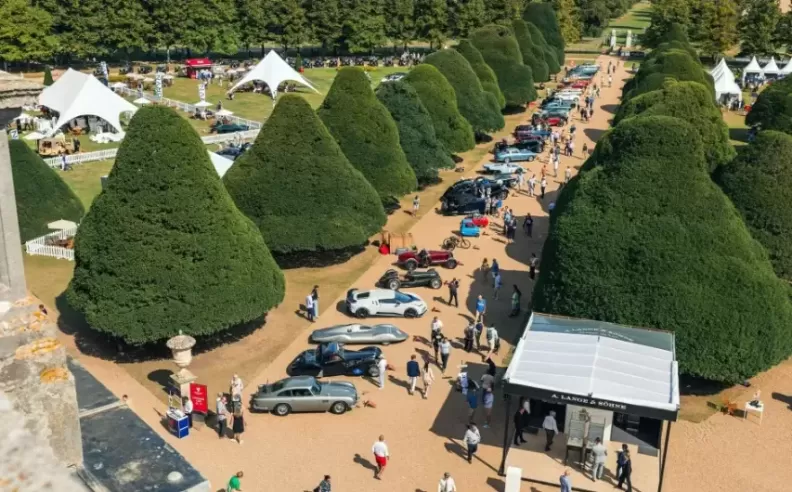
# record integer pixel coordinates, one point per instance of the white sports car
(384, 302)
(503, 168)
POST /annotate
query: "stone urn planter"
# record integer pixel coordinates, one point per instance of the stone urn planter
(181, 347)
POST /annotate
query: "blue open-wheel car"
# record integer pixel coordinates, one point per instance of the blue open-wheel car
(468, 228)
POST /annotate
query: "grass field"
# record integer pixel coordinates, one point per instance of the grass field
(636, 20)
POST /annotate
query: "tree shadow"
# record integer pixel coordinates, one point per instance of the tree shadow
(786, 399)
(610, 108)
(318, 259)
(594, 134)
(162, 378)
(512, 110)
(739, 134)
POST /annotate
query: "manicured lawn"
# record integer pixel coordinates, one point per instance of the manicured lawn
(636, 20)
(85, 179)
(738, 130)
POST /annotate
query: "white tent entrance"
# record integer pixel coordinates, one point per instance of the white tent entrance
(752, 70)
(725, 86)
(76, 94)
(273, 71)
(771, 69)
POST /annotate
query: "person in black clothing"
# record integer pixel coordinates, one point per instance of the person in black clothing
(528, 225)
(453, 287)
(436, 338)
(519, 425)
(470, 331)
(626, 471)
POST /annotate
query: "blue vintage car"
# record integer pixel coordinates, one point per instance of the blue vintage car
(468, 228)
(513, 154)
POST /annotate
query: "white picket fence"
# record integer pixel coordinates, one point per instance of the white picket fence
(40, 247)
(101, 155)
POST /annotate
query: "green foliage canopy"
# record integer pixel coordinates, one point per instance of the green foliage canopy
(773, 108)
(502, 53)
(544, 17)
(489, 81)
(533, 53)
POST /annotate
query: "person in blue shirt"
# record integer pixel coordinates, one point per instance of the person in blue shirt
(566, 483)
(495, 268)
(472, 399)
(413, 372)
(481, 307)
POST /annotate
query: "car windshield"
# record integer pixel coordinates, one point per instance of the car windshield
(316, 389)
(402, 297)
(276, 387)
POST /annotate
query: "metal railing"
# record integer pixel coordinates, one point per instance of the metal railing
(39, 246)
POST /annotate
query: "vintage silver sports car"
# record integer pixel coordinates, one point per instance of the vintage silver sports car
(357, 333)
(304, 394)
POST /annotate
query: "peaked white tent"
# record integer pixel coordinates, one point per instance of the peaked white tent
(771, 68)
(715, 72)
(77, 94)
(726, 86)
(272, 70)
(752, 68)
(220, 163)
(787, 68)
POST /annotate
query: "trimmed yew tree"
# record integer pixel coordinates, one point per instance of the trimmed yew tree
(488, 79)
(367, 134)
(480, 108)
(48, 76)
(163, 248)
(548, 52)
(544, 17)
(439, 98)
(297, 186)
(41, 195)
(533, 54)
(417, 135)
(502, 53)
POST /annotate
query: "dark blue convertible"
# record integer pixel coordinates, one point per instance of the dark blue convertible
(332, 359)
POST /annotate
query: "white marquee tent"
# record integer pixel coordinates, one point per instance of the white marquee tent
(220, 163)
(724, 81)
(752, 68)
(77, 94)
(771, 68)
(272, 70)
(787, 68)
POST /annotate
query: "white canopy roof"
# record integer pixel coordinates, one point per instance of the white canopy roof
(724, 81)
(715, 72)
(77, 94)
(752, 67)
(771, 68)
(596, 364)
(220, 163)
(272, 70)
(787, 68)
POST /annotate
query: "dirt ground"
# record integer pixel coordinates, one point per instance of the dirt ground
(293, 453)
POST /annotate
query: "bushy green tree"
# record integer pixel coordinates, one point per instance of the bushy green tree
(671, 64)
(533, 54)
(480, 108)
(502, 53)
(367, 134)
(670, 19)
(759, 183)
(773, 108)
(48, 76)
(544, 17)
(568, 16)
(644, 237)
(163, 248)
(691, 102)
(439, 98)
(757, 26)
(489, 81)
(288, 195)
(548, 52)
(41, 195)
(417, 135)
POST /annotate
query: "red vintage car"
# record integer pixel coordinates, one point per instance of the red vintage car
(580, 84)
(556, 121)
(479, 220)
(426, 258)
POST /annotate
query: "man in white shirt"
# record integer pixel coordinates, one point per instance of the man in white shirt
(381, 456)
(382, 365)
(437, 326)
(187, 408)
(447, 484)
(551, 428)
(236, 386)
(472, 439)
(309, 307)
(600, 453)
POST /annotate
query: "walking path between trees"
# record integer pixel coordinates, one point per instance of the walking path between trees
(424, 436)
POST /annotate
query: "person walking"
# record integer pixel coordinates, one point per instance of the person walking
(567, 175)
(235, 483)
(555, 168)
(309, 310)
(566, 482)
(453, 292)
(428, 378)
(436, 336)
(620, 458)
(472, 399)
(445, 352)
(446, 484)
(551, 429)
(532, 185)
(236, 386)
(479, 327)
(469, 334)
(515, 301)
(472, 439)
(488, 400)
(543, 186)
(626, 472)
(187, 408)
(324, 485)
(222, 415)
(238, 425)
(600, 453)
(495, 270)
(481, 307)
(381, 456)
(533, 266)
(493, 341)
(610, 80)
(528, 225)
(413, 372)
(519, 426)
(382, 367)
(498, 284)
(520, 181)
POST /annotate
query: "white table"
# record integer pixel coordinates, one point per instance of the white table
(751, 408)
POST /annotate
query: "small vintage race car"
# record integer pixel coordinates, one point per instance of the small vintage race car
(467, 228)
(429, 278)
(479, 220)
(411, 260)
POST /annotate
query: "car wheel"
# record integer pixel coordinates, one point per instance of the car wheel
(394, 284)
(281, 410)
(411, 265)
(531, 159)
(506, 160)
(410, 313)
(362, 313)
(435, 283)
(373, 371)
(452, 263)
(338, 408)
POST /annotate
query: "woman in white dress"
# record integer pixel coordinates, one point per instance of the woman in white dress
(428, 378)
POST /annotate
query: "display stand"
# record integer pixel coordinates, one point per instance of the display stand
(178, 423)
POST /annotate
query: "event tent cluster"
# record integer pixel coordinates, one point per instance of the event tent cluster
(770, 70)
(77, 94)
(273, 71)
(725, 84)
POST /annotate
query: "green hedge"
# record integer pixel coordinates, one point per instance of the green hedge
(773, 109)
(692, 102)
(644, 237)
(439, 98)
(544, 17)
(548, 53)
(480, 108)
(48, 76)
(673, 63)
(300, 190)
(41, 195)
(533, 53)
(489, 81)
(163, 248)
(502, 53)
(417, 135)
(759, 183)
(367, 134)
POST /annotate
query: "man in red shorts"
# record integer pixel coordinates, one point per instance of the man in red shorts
(381, 456)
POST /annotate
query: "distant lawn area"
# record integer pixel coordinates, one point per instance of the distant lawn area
(738, 130)
(636, 20)
(85, 179)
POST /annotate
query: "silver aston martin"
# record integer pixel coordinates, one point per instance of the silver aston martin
(357, 333)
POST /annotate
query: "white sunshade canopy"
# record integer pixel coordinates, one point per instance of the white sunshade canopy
(61, 224)
(752, 68)
(596, 362)
(715, 72)
(220, 163)
(272, 70)
(771, 68)
(224, 112)
(724, 82)
(33, 136)
(787, 69)
(77, 94)
(141, 101)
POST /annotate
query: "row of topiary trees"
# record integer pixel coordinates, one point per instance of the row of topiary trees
(643, 236)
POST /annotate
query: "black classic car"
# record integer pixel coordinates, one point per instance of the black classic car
(332, 359)
(427, 278)
(464, 196)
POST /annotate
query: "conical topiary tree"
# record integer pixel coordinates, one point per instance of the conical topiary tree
(544, 17)
(489, 81)
(417, 135)
(41, 195)
(478, 107)
(547, 52)
(282, 184)
(533, 54)
(48, 76)
(502, 53)
(163, 248)
(439, 98)
(367, 134)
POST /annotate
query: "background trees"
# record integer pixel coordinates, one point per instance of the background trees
(542, 15)
(533, 54)
(303, 212)
(773, 108)
(500, 50)
(41, 195)
(163, 248)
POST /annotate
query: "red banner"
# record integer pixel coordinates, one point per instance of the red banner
(199, 398)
